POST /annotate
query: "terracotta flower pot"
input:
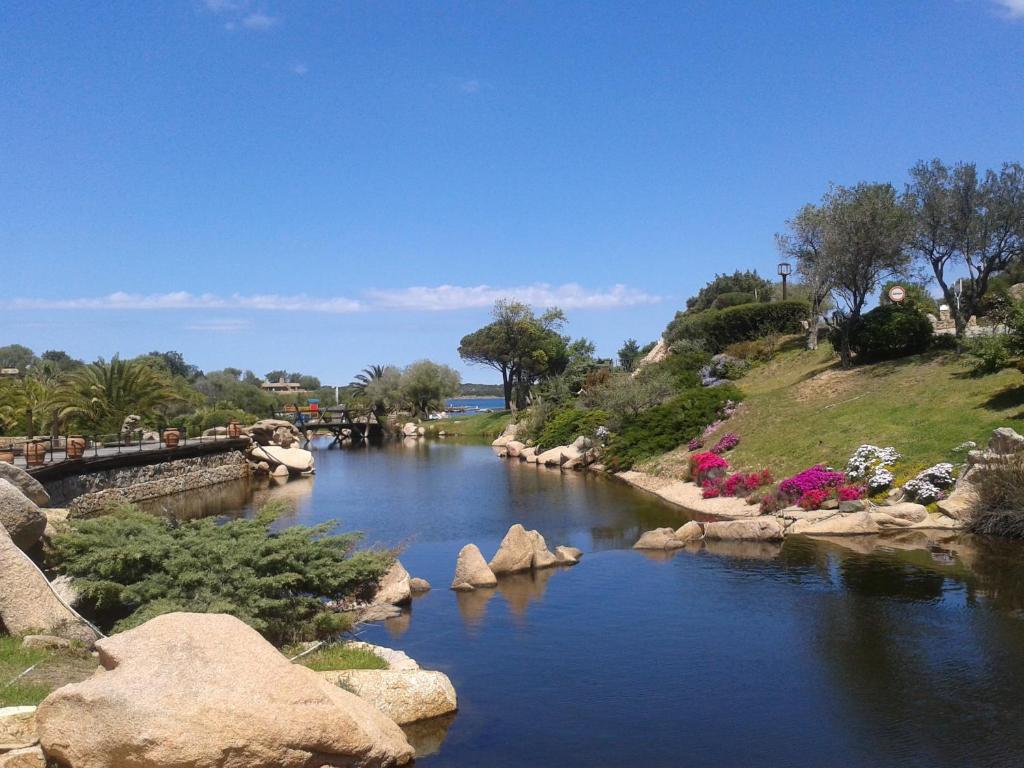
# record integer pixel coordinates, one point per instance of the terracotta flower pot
(234, 429)
(76, 447)
(7, 454)
(35, 453)
(172, 437)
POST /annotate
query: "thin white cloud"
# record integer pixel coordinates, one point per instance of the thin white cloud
(221, 6)
(568, 296)
(470, 86)
(1013, 9)
(415, 299)
(259, 20)
(226, 325)
(298, 68)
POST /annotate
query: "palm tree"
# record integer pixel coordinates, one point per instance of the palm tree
(369, 374)
(30, 398)
(99, 396)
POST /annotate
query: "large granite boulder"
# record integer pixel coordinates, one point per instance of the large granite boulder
(206, 691)
(24, 521)
(25, 483)
(1005, 441)
(554, 457)
(293, 459)
(568, 555)
(405, 696)
(659, 538)
(507, 436)
(265, 432)
(394, 587)
(521, 550)
(472, 571)
(27, 757)
(28, 604)
(853, 524)
(514, 448)
(906, 510)
(753, 529)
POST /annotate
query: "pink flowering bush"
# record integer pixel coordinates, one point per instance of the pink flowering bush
(813, 499)
(850, 493)
(816, 478)
(740, 484)
(729, 441)
(695, 445)
(706, 466)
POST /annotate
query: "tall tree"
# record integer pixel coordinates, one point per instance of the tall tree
(629, 354)
(805, 244)
(520, 345)
(860, 240)
(17, 356)
(966, 221)
(426, 386)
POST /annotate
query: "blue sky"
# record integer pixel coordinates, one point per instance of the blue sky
(318, 186)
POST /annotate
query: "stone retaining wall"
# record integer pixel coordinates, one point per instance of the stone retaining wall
(85, 495)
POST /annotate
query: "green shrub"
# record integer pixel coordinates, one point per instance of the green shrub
(721, 327)
(667, 426)
(989, 354)
(131, 567)
(1000, 507)
(564, 426)
(756, 351)
(732, 299)
(624, 395)
(888, 332)
(683, 365)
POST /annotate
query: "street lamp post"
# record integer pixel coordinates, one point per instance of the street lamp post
(785, 270)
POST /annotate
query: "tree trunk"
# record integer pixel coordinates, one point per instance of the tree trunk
(845, 357)
(506, 385)
(812, 336)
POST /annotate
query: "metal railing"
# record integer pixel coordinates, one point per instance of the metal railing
(54, 449)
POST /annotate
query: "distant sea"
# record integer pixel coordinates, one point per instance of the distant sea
(483, 403)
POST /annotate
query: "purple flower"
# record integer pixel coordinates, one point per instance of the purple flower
(816, 478)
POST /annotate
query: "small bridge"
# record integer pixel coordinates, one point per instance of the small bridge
(338, 421)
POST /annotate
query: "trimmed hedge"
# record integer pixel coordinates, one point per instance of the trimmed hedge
(667, 426)
(888, 332)
(719, 328)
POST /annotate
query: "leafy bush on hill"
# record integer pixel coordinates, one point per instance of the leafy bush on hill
(889, 332)
(564, 426)
(130, 567)
(664, 427)
(719, 328)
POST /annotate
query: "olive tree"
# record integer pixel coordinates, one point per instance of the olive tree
(426, 386)
(966, 221)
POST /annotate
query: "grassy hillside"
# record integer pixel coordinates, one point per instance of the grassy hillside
(802, 409)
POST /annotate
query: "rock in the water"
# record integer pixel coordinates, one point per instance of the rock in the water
(690, 531)
(521, 550)
(404, 696)
(24, 521)
(418, 585)
(206, 691)
(293, 459)
(555, 457)
(659, 538)
(507, 436)
(17, 727)
(27, 603)
(471, 570)
(514, 448)
(410, 429)
(529, 454)
(753, 529)
(853, 524)
(394, 587)
(568, 555)
(24, 482)
(1005, 440)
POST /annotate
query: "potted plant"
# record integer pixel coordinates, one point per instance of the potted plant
(7, 453)
(35, 453)
(234, 428)
(76, 446)
(172, 436)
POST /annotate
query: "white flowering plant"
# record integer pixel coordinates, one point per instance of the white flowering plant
(872, 465)
(930, 484)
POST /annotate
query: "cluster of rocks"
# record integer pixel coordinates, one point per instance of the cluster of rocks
(275, 450)
(579, 454)
(521, 550)
(29, 603)
(413, 431)
(206, 690)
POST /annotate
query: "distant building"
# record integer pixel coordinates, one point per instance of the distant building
(282, 387)
(9, 373)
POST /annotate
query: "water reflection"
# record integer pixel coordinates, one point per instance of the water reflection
(427, 736)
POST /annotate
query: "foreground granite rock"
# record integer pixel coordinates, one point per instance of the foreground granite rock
(853, 524)
(28, 604)
(395, 587)
(17, 727)
(754, 529)
(521, 550)
(472, 571)
(207, 691)
(405, 696)
(24, 521)
(24, 482)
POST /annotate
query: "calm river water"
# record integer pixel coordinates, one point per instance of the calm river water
(905, 651)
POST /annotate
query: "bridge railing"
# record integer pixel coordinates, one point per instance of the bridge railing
(77, 446)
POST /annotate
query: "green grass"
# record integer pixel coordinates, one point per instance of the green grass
(52, 669)
(478, 425)
(802, 409)
(342, 656)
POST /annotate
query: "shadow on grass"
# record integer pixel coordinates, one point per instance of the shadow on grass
(1011, 397)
